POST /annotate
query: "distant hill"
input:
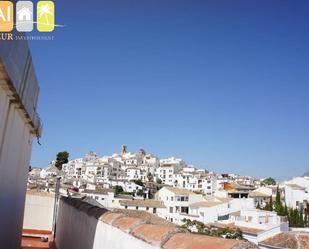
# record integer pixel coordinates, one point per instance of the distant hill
(306, 174)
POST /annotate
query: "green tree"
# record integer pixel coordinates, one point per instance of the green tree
(278, 203)
(296, 218)
(258, 206)
(286, 211)
(118, 190)
(269, 181)
(140, 192)
(159, 181)
(269, 205)
(150, 177)
(301, 219)
(138, 182)
(61, 158)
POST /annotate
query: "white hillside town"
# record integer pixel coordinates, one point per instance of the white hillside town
(178, 192)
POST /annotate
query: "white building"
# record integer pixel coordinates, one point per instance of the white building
(177, 203)
(296, 196)
(215, 209)
(259, 225)
(168, 168)
(105, 197)
(151, 206)
(300, 181)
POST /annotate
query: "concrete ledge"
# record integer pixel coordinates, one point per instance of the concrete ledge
(85, 207)
(18, 79)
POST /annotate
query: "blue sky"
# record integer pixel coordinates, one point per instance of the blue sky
(221, 84)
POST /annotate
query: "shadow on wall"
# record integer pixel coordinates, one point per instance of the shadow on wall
(76, 219)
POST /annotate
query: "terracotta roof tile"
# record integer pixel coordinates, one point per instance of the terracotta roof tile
(303, 240)
(193, 241)
(109, 218)
(291, 240)
(153, 234)
(145, 216)
(126, 224)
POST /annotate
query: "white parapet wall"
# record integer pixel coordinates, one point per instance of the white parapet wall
(83, 226)
(77, 230)
(39, 210)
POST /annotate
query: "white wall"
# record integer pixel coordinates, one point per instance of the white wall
(77, 230)
(15, 150)
(292, 196)
(39, 210)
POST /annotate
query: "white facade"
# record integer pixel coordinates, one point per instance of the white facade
(19, 124)
(217, 209)
(267, 224)
(39, 211)
(177, 203)
(300, 181)
(296, 196)
(105, 198)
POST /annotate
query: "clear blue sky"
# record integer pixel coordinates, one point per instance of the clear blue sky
(221, 84)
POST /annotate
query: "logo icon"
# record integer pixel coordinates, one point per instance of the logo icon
(45, 16)
(6, 16)
(24, 16)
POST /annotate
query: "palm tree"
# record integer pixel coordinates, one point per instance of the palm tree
(45, 10)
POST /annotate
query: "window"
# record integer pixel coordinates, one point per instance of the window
(136, 207)
(126, 207)
(154, 210)
(171, 210)
(96, 197)
(147, 208)
(184, 210)
(172, 198)
(102, 199)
